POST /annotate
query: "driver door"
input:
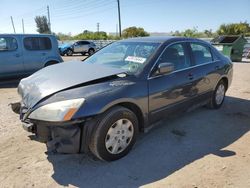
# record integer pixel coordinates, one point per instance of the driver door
(170, 92)
(78, 47)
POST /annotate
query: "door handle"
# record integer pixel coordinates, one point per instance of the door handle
(17, 55)
(43, 54)
(190, 76)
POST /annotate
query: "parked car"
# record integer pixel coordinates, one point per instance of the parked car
(23, 54)
(246, 53)
(82, 47)
(101, 104)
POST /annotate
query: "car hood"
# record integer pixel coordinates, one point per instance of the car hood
(55, 78)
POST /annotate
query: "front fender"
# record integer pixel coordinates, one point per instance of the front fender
(96, 104)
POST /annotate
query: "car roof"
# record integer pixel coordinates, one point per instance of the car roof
(40, 35)
(162, 39)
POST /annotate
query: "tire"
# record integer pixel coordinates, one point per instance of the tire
(218, 96)
(110, 141)
(69, 52)
(91, 51)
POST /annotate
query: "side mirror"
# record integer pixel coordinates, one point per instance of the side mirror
(164, 68)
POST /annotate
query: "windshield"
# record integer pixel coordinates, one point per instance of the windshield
(130, 56)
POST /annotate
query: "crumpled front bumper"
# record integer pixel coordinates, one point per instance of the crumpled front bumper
(60, 137)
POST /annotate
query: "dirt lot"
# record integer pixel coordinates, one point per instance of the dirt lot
(211, 151)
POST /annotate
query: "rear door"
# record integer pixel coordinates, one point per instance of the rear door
(11, 59)
(170, 92)
(36, 51)
(205, 69)
(86, 45)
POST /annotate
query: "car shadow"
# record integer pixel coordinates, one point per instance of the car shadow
(164, 150)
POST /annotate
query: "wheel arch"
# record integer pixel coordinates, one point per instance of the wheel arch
(51, 62)
(131, 105)
(225, 80)
(136, 109)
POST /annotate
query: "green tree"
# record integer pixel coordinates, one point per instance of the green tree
(209, 33)
(62, 36)
(42, 24)
(89, 35)
(190, 33)
(241, 28)
(194, 33)
(134, 32)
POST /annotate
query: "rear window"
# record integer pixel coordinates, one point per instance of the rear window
(84, 42)
(8, 44)
(201, 53)
(37, 43)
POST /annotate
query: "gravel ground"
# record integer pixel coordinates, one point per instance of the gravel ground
(203, 148)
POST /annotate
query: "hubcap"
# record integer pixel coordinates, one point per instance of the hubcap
(220, 93)
(119, 136)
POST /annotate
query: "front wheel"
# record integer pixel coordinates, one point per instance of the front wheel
(115, 134)
(69, 52)
(218, 96)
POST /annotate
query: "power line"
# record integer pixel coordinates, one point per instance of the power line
(84, 14)
(79, 10)
(83, 5)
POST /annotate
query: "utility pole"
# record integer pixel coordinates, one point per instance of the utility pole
(98, 27)
(49, 23)
(13, 24)
(23, 26)
(116, 31)
(119, 17)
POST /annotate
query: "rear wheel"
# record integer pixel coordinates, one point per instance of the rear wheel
(218, 96)
(115, 134)
(91, 51)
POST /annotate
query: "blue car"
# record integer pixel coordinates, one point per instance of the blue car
(24, 54)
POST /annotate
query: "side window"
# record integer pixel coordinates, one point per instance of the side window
(8, 44)
(201, 53)
(85, 42)
(37, 43)
(175, 54)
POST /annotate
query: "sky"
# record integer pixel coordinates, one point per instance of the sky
(75, 16)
